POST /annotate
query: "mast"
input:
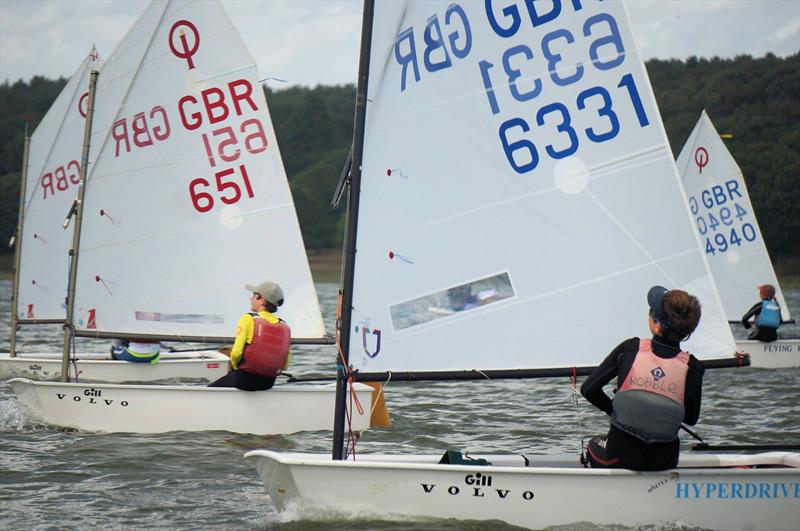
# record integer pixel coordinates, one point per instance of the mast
(17, 241)
(352, 226)
(77, 210)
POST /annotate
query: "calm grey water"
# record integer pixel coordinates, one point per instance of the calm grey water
(57, 479)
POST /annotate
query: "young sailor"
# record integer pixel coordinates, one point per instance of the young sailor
(767, 314)
(261, 349)
(135, 351)
(658, 387)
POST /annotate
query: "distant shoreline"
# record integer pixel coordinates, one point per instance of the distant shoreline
(326, 267)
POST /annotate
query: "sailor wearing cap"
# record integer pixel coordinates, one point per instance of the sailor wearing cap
(261, 349)
(658, 387)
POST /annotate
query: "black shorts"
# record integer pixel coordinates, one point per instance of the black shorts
(245, 381)
(622, 450)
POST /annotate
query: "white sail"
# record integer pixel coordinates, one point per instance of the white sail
(187, 199)
(726, 221)
(53, 176)
(518, 193)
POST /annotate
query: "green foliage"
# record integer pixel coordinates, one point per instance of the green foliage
(311, 122)
(21, 102)
(313, 189)
(9, 203)
(756, 100)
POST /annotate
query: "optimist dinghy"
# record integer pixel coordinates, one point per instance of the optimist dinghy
(517, 149)
(186, 200)
(729, 234)
(50, 176)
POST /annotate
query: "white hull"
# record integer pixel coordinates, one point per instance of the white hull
(550, 491)
(287, 408)
(780, 354)
(205, 365)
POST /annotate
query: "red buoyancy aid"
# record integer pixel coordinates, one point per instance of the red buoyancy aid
(266, 355)
(650, 401)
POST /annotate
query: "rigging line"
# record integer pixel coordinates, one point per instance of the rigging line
(630, 236)
(221, 74)
(82, 69)
(578, 416)
(380, 393)
(74, 359)
(350, 446)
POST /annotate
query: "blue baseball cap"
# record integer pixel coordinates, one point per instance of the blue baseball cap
(655, 299)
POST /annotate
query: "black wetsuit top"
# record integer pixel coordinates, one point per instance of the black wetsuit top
(631, 451)
(759, 334)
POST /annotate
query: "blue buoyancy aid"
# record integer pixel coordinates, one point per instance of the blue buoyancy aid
(770, 316)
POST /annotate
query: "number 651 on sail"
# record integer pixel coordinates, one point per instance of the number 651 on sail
(226, 183)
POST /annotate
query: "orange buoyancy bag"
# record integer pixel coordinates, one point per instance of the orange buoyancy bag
(269, 350)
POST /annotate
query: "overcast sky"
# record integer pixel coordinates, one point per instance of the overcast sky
(307, 42)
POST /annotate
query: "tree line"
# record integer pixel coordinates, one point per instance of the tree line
(756, 100)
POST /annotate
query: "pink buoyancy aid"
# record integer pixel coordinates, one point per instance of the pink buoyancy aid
(650, 401)
(266, 355)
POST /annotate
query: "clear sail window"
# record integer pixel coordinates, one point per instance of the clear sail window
(451, 301)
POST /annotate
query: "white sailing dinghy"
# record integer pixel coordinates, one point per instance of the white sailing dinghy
(518, 150)
(187, 200)
(730, 235)
(49, 184)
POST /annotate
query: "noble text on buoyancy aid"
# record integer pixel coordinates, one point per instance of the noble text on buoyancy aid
(650, 402)
(770, 316)
(269, 350)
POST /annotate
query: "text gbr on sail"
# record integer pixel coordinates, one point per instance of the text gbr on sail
(60, 178)
(214, 106)
(437, 47)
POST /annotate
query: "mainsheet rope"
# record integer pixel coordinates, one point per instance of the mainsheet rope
(574, 381)
(352, 437)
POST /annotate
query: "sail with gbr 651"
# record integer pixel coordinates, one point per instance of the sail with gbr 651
(186, 200)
